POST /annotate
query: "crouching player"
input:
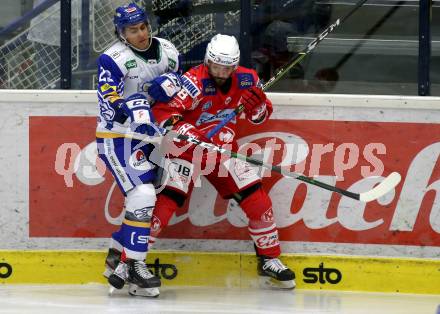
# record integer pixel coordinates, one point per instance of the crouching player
(209, 92)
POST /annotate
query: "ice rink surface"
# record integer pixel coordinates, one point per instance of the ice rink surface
(94, 298)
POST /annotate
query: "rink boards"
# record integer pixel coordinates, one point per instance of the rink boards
(229, 270)
(56, 198)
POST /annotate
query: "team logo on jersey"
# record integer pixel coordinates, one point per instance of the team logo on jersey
(190, 87)
(171, 64)
(139, 161)
(131, 64)
(115, 55)
(207, 105)
(152, 61)
(207, 117)
(208, 87)
(228, 100)
(245, 80)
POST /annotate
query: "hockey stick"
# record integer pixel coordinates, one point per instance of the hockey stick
(381, 189)
(290, 64)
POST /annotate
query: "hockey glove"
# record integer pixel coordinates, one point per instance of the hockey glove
(190, 130)
(137, 108)
(254, 102)
(165, 87)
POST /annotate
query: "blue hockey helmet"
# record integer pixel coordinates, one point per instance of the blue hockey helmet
(129, 14)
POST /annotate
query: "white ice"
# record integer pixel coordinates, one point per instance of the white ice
(94, 298)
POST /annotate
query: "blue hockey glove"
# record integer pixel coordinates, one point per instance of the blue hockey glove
(165, 87)
(137, 108)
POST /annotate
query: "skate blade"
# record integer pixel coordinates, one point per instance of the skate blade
(143, 292)
(111, 290)
(271, 283)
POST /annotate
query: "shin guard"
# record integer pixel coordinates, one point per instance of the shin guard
(262, 227)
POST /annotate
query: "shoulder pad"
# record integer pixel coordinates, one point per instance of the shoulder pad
(116, 50)
(168, 49)
(167, 45)
(119, 53)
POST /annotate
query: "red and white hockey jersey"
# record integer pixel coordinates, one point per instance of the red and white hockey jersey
(204, 105)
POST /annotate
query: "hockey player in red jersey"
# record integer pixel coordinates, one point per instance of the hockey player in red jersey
(210, 92)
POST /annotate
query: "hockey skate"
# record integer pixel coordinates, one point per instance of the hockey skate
(111, 262)
(274, 274)
(140, 280)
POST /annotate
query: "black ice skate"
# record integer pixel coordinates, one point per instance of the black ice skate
(274, 274)
(111, 262)
(119, 276)
(141, 281)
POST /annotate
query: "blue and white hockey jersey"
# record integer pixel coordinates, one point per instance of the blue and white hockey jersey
(121, 73)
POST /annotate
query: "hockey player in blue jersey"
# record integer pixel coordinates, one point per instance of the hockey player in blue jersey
(132, 74)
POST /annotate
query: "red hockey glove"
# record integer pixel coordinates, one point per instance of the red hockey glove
(190, 130)
(252, 99)
(257, 107)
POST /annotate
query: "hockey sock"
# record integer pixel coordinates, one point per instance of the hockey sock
(165, 208)
(262, 227)
(135, 239)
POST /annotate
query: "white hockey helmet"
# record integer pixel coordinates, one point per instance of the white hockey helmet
(223, 50)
